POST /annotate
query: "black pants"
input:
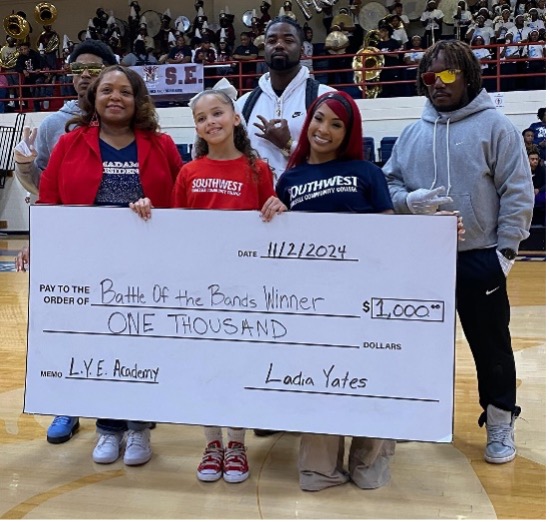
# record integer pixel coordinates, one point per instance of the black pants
(484, 311)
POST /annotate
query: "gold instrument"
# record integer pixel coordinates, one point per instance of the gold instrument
(10, 61)
(336, 41)
(16, 27)
(46, 14)
(367, 65)
(345, 21)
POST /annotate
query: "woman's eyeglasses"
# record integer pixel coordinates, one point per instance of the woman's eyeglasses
(93, 68)
(447, 76)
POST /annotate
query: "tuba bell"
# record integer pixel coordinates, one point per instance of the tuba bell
(16, 27)
(367, 65)
(46, 14)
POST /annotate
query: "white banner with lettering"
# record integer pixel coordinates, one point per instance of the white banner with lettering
(326, 323)
(162, 80)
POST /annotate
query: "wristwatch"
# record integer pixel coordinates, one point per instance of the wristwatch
(509, 254)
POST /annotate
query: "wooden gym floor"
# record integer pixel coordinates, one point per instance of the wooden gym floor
(429, 481)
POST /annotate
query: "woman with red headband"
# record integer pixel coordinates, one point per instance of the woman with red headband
(330, 154)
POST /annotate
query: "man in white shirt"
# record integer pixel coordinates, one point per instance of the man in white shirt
(536, 23)
(397, 9)
(520, 32)
(502, 24)
(275, 119)
(463, 18)
(432, 20)
(480, 29)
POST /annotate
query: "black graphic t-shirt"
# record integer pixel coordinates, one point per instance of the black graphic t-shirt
(120, 184)
(335, 186)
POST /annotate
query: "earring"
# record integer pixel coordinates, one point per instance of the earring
(94, 122)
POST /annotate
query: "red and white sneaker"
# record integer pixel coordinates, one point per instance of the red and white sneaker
(235, 463)
(211, 466)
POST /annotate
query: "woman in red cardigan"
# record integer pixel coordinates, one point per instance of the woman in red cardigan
(115, 156)
(116, 145)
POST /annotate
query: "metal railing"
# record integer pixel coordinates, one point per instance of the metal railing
(335, 70)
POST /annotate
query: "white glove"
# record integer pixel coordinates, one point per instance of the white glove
(24, 151)
(424, 201)
(505, 264)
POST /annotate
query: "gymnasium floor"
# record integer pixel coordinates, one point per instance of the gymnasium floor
(451, 481)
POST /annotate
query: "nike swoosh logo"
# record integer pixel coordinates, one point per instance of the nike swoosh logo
(489, 292)
(296, 114)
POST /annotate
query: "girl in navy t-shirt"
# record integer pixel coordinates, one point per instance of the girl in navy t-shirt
(327, 172)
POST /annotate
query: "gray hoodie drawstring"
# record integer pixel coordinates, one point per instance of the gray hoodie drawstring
(434, 141)
(448, 158)
(434, 153)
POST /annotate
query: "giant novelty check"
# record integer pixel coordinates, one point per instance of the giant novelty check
(325, 323)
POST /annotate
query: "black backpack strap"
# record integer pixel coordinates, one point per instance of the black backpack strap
(250, 102)
(312, 91)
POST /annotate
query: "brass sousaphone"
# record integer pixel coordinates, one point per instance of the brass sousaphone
(16, 26)
(46, 14)
(367, 65)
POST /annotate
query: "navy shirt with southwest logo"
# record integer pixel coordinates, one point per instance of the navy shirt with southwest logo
(335, 186)
(120, 184)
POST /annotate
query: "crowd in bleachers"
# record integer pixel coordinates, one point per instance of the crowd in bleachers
(518, 25)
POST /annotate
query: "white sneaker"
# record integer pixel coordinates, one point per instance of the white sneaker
(138, 447)
(107, 449)
(501, 447)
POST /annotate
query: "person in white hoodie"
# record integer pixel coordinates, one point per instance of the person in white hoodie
(279, 109)
(465, 155)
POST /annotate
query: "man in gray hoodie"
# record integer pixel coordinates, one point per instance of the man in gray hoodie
(465, 155)
(33, 153)
(32, 160)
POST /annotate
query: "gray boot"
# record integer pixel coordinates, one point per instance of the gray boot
(501, 447)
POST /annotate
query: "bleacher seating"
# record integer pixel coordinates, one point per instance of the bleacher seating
(386, 146)
(368, 149)
(185, 151)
